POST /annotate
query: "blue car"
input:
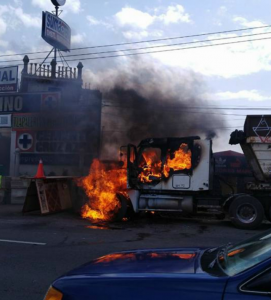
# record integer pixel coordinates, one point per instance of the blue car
(240, 271)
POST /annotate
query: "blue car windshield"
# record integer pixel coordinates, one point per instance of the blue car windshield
(234, 259)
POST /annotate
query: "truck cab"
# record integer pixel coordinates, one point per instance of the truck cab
(166, 173)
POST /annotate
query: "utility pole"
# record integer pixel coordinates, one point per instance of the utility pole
(56, 16)
(56, 3)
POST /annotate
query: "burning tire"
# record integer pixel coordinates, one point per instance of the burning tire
(123, 208)
(246, 212)
(127, 206)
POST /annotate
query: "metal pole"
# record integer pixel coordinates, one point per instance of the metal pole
(44, 61)
(57, 16)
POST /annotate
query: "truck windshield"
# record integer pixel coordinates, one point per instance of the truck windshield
(234, 259)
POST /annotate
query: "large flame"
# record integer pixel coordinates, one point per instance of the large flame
(152, 166)
(101, 186)
(181, 160)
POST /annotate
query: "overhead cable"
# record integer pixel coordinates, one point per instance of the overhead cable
(145, 48)
(147, 41)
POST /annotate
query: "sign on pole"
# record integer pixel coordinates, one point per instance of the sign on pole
(56, 32)
(8, 79)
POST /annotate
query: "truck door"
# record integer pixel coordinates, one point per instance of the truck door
(132, 171)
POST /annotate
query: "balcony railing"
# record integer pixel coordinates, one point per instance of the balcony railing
(52, 70)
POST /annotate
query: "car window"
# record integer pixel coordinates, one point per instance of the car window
(233, 259)
(259, 284)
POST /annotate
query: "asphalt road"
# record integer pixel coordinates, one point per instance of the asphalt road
(67, 241)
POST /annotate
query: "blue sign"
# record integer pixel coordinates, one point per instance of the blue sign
(8, 79)
(54, 160)
(31, 102)
(56, 32)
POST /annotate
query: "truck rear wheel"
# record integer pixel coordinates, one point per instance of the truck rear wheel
(246, 212)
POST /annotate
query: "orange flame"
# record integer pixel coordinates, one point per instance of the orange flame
(181, 160)
(152, 166)
(101, 186)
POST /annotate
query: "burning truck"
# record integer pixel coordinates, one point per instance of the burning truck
(178, 175)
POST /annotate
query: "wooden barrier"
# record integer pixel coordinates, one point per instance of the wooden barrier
(49, 195)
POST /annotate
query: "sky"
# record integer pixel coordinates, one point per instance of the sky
(231, 76)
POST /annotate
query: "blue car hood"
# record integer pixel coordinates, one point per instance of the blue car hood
(143, 274)
(184, 261)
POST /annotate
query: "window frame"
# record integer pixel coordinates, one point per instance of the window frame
(241, 287)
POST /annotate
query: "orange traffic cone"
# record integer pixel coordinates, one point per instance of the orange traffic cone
(40, 173)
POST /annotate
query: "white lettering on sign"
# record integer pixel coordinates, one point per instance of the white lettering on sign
(6, 88)
(56, 32)
(11, 103)
(8, 75)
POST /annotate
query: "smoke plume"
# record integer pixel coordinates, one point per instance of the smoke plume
(145, 99)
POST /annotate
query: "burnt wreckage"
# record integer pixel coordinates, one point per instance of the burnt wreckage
(178, 174)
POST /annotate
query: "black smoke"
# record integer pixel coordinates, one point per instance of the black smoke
(146, 100)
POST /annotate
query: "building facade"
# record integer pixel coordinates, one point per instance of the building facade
(52, 118)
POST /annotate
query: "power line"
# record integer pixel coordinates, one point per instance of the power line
(184, 128)
(193, 112)
(147, 41)
(145, 48)
(168, 45)
(176, 123)
(160, 51)
(170, 50)
(180, 110)
(197, 107)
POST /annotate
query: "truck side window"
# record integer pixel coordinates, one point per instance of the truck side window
(151, 157)
(150, 165)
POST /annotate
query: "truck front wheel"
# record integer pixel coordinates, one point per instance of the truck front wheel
(246, 212)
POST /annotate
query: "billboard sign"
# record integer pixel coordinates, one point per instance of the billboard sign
(31, 102)
(60, 141)
(8, 79)
(66, 135)
(57, 139)
(230, 164)
(55, 121)
(56, 32)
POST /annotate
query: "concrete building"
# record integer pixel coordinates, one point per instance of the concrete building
(52, 118)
